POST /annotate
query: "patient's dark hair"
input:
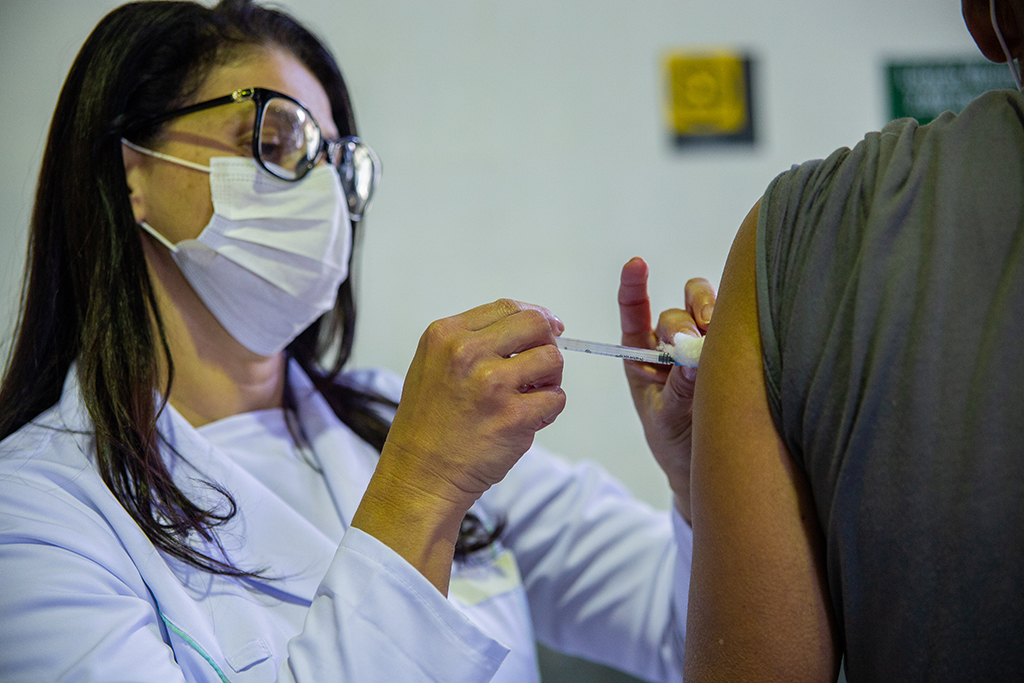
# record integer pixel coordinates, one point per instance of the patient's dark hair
(87, 297)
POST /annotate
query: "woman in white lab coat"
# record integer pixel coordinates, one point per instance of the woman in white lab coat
(189, 492)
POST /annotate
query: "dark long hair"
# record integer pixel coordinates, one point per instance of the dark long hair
(87, 297)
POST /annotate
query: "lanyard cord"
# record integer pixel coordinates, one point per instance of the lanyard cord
(1014, 70)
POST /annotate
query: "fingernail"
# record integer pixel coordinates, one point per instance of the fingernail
(705, 314)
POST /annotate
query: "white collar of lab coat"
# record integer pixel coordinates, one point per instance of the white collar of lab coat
(265, 533)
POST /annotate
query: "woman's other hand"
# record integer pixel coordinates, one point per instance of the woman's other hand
(663, 395)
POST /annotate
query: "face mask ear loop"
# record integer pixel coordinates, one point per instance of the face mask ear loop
(164, 157)
(1006, 50)
(159, 238)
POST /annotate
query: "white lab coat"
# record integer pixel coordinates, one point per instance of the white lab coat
(84, 595)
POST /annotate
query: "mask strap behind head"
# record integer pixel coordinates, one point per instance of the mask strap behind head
(1014, 71)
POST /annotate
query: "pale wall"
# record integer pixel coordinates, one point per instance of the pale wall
(525, 154)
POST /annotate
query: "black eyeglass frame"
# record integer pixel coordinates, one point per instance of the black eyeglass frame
(338, 152)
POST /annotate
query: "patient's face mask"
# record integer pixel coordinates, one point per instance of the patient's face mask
(274, 253)
(1014, 71)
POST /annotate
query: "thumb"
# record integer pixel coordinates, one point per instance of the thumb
(678, 392)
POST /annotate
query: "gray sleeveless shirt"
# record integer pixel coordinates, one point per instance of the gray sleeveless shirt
(890, 283)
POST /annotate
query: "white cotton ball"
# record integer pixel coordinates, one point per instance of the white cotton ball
(686, 350)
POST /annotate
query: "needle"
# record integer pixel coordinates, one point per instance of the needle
(616, 351)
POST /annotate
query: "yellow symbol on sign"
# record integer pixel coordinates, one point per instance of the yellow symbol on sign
(707, 94)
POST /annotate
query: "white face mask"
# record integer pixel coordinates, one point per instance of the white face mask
(1006, 50)
(273, 255)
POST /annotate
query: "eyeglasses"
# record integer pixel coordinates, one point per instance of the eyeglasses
(287, 143)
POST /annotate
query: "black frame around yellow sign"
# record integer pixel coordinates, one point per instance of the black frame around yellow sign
(709, 97)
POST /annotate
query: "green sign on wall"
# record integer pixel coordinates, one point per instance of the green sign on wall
(925, 89)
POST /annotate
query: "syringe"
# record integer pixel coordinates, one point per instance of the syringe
(685, 350)
(616, 351)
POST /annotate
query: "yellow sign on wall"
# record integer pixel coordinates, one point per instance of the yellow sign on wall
(708, 96)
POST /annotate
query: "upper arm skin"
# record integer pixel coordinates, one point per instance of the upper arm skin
(759, 607)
